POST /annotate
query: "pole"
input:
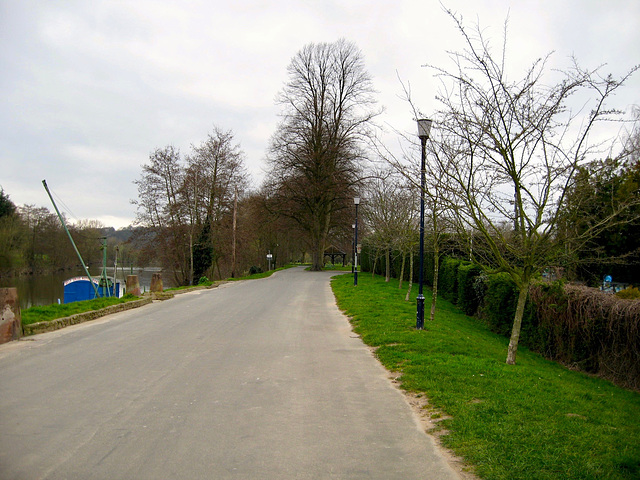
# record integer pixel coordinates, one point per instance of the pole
(233, 247)
(105, 279)
(115, 272)
(353, 251)
(355, 267)
(420, 309)
(95, 289)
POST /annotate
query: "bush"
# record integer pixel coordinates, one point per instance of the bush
(255, 269)
(203, 281)
(629, 293)
(589, 329)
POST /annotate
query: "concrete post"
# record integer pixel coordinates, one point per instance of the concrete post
(133, 286)
(10, 319)
(156, 283)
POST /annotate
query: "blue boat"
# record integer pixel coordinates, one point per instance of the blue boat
(77, 289)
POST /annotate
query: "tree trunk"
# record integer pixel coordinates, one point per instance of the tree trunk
(406, 298)
(404, 258)
(373, 268)
(191, 256)
(517, 324)
(434, 296)
(316, 258)
(387, 257)
(233, 244)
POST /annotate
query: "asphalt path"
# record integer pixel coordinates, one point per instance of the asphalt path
(259, 379)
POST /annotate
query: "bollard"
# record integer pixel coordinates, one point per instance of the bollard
(156, 283)
(133, 286)
(10, 320)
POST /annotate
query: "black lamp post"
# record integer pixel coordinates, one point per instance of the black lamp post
(353, 249)
(424, 126)
(356, 202)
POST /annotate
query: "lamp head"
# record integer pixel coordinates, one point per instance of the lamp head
(424, 127)
(356, 200)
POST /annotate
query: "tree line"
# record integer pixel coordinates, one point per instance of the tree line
(33, 241)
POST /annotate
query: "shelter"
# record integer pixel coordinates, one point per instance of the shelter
(334, 254)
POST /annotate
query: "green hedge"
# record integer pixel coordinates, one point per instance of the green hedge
(469, 295)
(448, 279)
(581, 327)
(499, 303)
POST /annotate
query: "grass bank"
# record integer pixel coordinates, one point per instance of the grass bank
(255, 276)
(534, 420)
(47, 313)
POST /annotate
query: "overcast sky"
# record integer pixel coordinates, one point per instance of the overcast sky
(90, 88)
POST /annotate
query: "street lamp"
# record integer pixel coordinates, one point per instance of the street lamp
(356, 202)
(353, 249)
(424, 127)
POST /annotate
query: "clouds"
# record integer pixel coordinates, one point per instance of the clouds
(90, 88)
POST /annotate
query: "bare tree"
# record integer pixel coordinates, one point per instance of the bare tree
(512, 149)
(161, 209)
(380, 215)
(390, 214)
(214, 172)
(186, 204)
(314, 156)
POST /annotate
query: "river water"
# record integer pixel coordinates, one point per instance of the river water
(34, 290)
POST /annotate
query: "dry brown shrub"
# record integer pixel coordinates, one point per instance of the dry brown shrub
(590, 330)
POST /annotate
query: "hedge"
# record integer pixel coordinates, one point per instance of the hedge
(469, 293)
(581, 327)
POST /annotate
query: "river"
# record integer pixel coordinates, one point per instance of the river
(34, 290)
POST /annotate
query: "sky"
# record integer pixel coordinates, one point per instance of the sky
(89, 88)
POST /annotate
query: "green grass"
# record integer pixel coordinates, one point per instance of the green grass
(339, 267)
(534, 420)
(187, 287)
(46, 313)
(259, 275)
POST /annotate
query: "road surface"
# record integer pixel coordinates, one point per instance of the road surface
(258, 379)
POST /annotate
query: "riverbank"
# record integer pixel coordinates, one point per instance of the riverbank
(62, 322)
(49, 318)
(40, 289)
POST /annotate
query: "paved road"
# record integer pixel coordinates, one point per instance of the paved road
(253, 380)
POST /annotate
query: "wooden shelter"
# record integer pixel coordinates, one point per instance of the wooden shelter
(334, 254)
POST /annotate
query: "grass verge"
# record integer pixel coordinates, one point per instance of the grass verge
(261, 274)
(534, 420)
(46, 313)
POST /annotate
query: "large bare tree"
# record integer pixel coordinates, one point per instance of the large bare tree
(512, 149)
(327, 104)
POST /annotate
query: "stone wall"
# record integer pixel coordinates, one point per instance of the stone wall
(58, 323)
